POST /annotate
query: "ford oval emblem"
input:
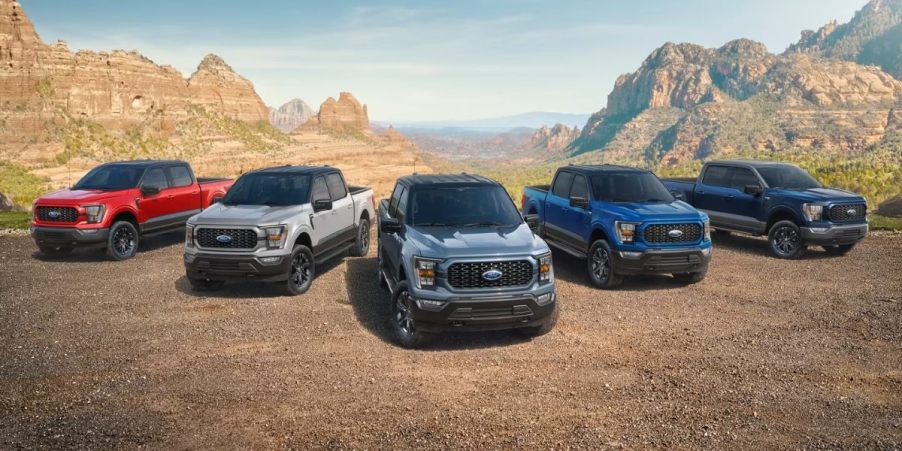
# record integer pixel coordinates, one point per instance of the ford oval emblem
(675, 233)
(492, 275)
(851, 212)
(224, 239)
(54, 214)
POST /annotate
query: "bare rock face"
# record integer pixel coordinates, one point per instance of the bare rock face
(291, 115)
(392, 136)
(891, 207)
(344, 113)
(555, 139)
(6, 204)
(118, 89)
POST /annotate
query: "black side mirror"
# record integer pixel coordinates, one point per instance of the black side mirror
(754, 190)
(322, 205)
(579, 202)
(390, 225)
(150, 190)
(677, 195)
(532, 221)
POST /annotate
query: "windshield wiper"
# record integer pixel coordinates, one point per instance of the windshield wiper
(482, 224)
(431, 224)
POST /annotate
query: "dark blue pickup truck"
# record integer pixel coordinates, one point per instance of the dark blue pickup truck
(623, 221)
(778, 200)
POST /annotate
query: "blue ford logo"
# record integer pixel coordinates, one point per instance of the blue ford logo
(54, 214)
(224, 239)
(675, 233)
(492, 275)
(851, 212)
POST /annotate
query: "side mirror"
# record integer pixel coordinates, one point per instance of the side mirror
(150, 190)
(532, 221)
(389, 225)
(579, 202)
(322, 205)
(754, 190)
(677, 195)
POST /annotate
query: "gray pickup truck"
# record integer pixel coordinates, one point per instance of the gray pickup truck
(276, 225)
(457, 256)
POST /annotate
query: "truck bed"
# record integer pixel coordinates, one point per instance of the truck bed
(680, 179)
(357, 189)
(540, 188)
(202, 180)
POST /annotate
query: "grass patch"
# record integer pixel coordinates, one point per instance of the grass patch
(21, 186)
(885, 223)
(19, 220)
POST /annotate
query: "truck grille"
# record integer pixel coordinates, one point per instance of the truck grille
(57, 214)
(661, 233)
(237, 238)
(470, 275)
(854, 212)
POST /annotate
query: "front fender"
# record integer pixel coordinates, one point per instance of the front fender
(108, 220)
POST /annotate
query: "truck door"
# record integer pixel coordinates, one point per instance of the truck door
(342, 207)
(557, 206)
(711, 192)
(321, 223)
(579, 219)
(747, 207)
(183, 193)
(390, 243)
(153, 208)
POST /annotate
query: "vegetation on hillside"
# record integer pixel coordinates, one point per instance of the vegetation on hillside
(21, 186)
(203, 126)
(17, 220)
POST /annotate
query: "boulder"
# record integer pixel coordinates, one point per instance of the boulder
(891, 207)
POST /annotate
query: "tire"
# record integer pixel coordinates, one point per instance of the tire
(601, 266)
(301, 271)
(403, 326)
(55, 251)
(550, 322)
(362, 242)
(206, 284)
(123, 241)
(785, 240)
(690, 278)
(841, 249)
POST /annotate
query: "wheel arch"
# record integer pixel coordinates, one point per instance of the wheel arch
(781, 214)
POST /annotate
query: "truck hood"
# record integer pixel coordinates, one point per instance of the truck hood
(817, 195)
(647, 211)
(446, 242)
(248, 215)
(76, 196)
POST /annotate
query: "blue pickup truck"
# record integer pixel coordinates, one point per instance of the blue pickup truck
(623, 221)
(778, 200)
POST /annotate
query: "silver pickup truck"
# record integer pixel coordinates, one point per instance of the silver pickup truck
(277, 225)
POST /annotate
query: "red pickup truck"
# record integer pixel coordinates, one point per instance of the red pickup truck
(116, 203)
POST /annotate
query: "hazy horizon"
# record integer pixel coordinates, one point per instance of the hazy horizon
(423, 61)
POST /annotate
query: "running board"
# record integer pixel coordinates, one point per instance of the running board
(333, 253)
(565, 248)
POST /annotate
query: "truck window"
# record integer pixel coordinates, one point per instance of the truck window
(336, 186)
(629, 187)
(320, 190)
(580, 189)
(402, 205)
(180, 176)
(155, 178)
(111, 177)
(788, 177)
(395, 198)
(740, 177)
(268, 189)
(467, 206)
(562, 184)
(716, 176)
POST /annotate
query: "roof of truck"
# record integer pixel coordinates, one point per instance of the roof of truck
(144, 163)
(446, 180)
(596, 168)
(306, 170)
(751, 163)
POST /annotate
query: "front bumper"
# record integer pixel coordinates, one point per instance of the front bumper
(670, 261)
(483, 313)
(235, 267)
(69, 236)
(835, 235)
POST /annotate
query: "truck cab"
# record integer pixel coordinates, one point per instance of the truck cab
(623, 221)
(277, 225)
(456, 255)
(779, 200)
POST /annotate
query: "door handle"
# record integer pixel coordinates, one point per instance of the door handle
(195, 192)
(700, 192)
(170, 197)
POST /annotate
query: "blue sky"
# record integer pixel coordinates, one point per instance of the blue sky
(422, 60)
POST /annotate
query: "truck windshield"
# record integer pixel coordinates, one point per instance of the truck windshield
(269, 189)
(111, 178)
(630, 187)
(472, 206)
(787, 176)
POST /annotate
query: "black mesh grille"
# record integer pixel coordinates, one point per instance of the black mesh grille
(854, 212)
(470, 275)
(57, 214)
(240, 238)
(661, 233)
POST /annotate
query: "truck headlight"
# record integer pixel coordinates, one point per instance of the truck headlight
(546, 271)
(275, 236)
(813, 212)
(626, 231)
(425, 272)
(189, 235)
(707, 230)
(94, 213)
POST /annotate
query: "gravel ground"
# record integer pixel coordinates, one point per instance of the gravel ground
(763, 354)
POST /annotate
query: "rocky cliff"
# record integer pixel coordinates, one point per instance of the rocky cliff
(553, 140)
(346, 114)
(118, 90)
(687, 102)
(290, 115)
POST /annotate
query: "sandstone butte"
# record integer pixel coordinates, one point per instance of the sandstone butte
(344, 114)
(117, 89)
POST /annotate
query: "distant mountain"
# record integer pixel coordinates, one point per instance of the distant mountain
(290, 115)
(532, 120)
